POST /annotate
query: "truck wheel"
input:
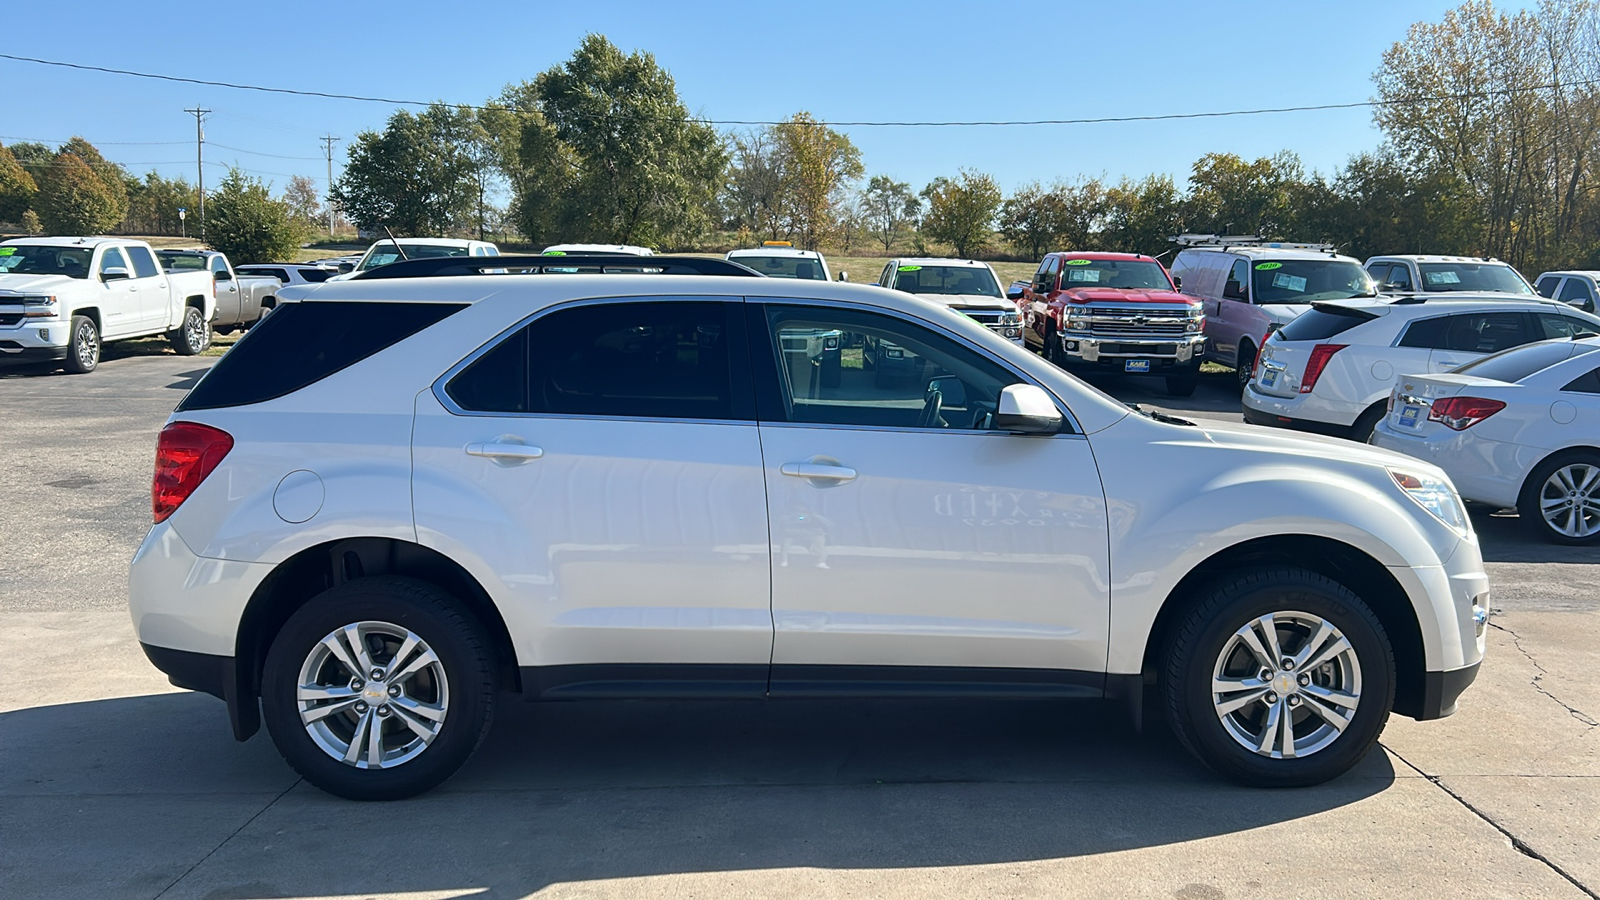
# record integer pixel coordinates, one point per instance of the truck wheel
(1182, 385)
(194, 336)
(83, 354)
(1279, 677)
(1561, 499)
(1051, 350)
(378, 689)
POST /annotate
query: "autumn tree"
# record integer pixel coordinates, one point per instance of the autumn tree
(304, 201)
(17, 188)
(890, 209)
(74, 198)
(961, 211)
(818, 163)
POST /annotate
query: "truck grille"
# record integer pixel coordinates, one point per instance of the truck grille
(992, 319)
(1123, 321)
(9, 319)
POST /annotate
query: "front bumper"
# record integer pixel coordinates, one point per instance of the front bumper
(1164, 353)
(1441, 690)
(36, 340)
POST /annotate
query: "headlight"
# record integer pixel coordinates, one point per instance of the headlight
(1011, 319)
(1437, 496)
(1078, 324)
(1194, 325)
(39, 307)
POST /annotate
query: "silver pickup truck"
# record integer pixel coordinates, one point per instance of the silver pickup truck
(241, 299)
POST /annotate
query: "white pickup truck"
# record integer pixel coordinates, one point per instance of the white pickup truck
(62, 297)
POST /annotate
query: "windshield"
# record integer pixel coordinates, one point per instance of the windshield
(1114, 273)
(1472, 277)
(181, 262)
(385, 253)
(25, 259)
(784, 266)
(1308, 280)
(969, 280)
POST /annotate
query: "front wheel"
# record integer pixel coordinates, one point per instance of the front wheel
(1561, 500)
(83, 354)
(193, 336)
(1182, 385)
(378, 689)
(1279, 678)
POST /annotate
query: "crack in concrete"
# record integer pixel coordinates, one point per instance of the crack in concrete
(235, 833)
(1516, 641)
(1517, 843)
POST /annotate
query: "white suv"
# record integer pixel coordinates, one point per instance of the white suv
(402, 493)
(1332, 368)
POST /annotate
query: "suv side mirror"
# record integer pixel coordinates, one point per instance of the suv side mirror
(1027, 409)
(1177, 282)
(1014, 292)
(1233, 290)
(223, 275)
(113, 273)
(844, 276)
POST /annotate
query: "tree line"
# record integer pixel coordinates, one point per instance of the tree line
(1491, 123)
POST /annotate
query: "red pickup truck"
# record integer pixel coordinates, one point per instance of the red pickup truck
(1113, 312)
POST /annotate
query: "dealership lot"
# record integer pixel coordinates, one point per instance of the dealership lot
(113, 784)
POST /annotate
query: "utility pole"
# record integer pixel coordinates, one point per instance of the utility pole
(200, 161)
(328, 141)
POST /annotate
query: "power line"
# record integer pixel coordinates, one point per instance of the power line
(259, 153)
(14, 137)
(1163, 117)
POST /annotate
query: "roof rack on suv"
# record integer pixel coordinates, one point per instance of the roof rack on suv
(1246, 240)
(432, 266)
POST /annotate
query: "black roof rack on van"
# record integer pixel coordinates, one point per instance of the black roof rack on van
(438, 266)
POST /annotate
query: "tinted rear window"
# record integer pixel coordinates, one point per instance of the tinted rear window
(1518, 363)
(302, 343)
(1321, 323)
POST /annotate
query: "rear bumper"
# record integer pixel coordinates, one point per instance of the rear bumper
(1259, 417)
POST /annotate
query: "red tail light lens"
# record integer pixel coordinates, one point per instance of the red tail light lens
(1255, 366)
(1461, 413)
(1320, 354)
(186, 453)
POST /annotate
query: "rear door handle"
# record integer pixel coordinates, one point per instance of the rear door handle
(818, 472)
(505, 453)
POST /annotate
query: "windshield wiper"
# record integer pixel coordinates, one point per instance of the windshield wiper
(1158, 415)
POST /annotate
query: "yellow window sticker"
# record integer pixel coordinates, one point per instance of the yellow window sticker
(1080, 262)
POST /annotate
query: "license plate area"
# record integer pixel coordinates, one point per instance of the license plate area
(1136, 365)
(1269, 377)
(1410, 416)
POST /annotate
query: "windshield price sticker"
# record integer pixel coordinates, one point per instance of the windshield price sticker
(1084, 275)
(1268, 267)
(1291, 282)
(1079, 262)
(1446, 277)
(909, 269)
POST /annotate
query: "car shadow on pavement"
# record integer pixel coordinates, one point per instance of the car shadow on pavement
(578, 792)
(1503, 537)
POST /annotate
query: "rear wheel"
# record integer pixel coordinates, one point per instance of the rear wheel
(378, 689)
(1368, 422)
(1245, 364)
(1279, 678)
(1561, 499)
(193, 336)
(83, 354)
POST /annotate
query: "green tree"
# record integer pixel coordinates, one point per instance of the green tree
(817, 164)
(304, 202)
(34, 158)
(74, 199)
(1030, 220)
(414, 176)
(961, 212)
(17, 188)
(1141, 216)
(153, 204)
(613, 155)
(890, 208)
(753, 195)
(1229, 194)
(243, 221)
(111, 175)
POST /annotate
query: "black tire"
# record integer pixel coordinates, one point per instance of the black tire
(1182, 385)
(832, 370)
(83, 351)
(1361, 431)
(1196, 651)
(1052, 346)
(194, 335)
(1529, 503)
(467, 687)
(1245, 366)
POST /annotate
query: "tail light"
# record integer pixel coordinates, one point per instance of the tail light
(1320, 354)
(186, 453)
(1255, 366)
(1461, 413)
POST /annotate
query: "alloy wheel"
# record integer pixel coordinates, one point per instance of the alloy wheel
(372, 695)
(86, 345)
(1286, 685)
(1569, 500)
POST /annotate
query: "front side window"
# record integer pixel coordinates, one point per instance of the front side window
(652, 359)
(1379, 273)
(849, 367)
(1547, 285)
(181, 261)
(1044, 280)
(218, 264)
(1576, 291)
(1238, 277)
(113, 259)
(144, 265)
(1553, 325)
(1309, 280)
(1465, 276)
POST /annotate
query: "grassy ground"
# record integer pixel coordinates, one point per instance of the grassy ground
(159, 345)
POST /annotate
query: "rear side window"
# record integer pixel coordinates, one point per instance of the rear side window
(1321, 323)
(315, 276)
(1468, 333)
(144, 265)
(1588, 383)
(1519, 362)
(651, 359)
(303, 343)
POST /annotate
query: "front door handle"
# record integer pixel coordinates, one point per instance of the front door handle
(819, 472)
(505, 453)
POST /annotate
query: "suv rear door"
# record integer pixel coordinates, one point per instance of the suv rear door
(600, 468)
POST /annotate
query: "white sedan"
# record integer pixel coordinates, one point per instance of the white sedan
(1517, 429)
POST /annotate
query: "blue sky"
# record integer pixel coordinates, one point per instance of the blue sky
(932, 60)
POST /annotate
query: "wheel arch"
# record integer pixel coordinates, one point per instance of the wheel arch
(298, 579)
(93, 312)
(198, 301)
(1527, 480)
(1368, 578)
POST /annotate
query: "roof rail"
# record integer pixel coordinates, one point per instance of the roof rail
(440, 266)
(1246, 240)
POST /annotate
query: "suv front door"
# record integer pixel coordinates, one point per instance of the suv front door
(911, 542)
(600, 467)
